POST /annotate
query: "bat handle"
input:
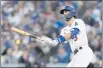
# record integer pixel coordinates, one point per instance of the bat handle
(33, 36)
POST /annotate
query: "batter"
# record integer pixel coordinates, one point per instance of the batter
(75, 34)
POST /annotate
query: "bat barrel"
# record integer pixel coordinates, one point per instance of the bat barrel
(20, 31)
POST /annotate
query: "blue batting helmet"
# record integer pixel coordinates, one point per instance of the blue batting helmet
(72, 12)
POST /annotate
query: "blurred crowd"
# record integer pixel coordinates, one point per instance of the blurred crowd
(42, 18)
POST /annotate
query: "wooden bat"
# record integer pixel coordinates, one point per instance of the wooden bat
(22, 32)
(26, 34)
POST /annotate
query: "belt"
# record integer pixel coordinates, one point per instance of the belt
(76, 50)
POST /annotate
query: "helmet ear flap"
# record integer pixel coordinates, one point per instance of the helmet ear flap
(70, 15)
(73, 10)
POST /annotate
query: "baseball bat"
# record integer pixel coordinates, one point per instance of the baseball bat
(22, 32)
(25, 33)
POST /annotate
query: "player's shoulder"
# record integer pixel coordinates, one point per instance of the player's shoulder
(79, 21)
(66, 28)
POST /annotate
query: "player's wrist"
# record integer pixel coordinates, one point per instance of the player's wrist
(55, 42)
(32, 39)
(60, 39)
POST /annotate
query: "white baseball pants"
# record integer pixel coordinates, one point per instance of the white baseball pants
(82, 58)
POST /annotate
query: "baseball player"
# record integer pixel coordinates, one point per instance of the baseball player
(75, 34)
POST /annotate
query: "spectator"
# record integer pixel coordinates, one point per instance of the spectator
(8, 42)
(14, 18)
(9, 57)
(33, 60)
(5, 26)
(62, 56)
(17, 52)
(24, 57)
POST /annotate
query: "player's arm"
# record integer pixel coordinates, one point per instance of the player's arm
(72, 34)
(63, 37)
(68, 35)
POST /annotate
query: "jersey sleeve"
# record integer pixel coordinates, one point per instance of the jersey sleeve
(64, 31)
(77, 28)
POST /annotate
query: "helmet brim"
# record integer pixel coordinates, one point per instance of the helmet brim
(62, 11)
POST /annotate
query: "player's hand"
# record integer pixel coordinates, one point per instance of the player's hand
(34, 39)
(45, 40)
(49, 41)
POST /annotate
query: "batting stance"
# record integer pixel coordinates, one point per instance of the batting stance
(75, 34)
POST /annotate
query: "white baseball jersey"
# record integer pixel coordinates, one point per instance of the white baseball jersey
(81, 37)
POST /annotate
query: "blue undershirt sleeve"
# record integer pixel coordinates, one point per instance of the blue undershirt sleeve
(74, 32)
